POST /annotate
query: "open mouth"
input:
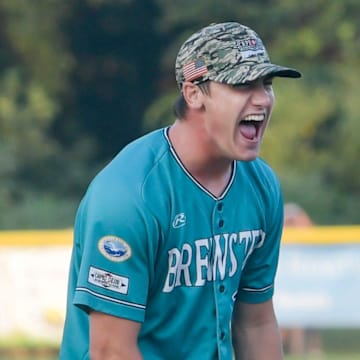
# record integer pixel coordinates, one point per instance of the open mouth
(250, 125)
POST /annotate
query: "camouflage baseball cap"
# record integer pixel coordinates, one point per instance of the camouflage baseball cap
(228, 53)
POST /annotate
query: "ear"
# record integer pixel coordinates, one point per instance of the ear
(193, 95)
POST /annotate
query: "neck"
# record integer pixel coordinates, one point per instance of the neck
(212, 172)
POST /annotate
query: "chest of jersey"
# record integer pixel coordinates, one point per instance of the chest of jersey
(205, 238)
(204, 245)
(209, 240)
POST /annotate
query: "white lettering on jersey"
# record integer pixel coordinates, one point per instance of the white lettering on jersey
(202, 261)
(183, 267)
(219, 257)
(174, 259)
(215, 256)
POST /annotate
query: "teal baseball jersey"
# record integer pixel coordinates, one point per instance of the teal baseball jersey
(154, 246)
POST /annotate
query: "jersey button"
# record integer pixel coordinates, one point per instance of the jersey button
(221, 223)
(220, 206)
(221, 288)
(222, 335)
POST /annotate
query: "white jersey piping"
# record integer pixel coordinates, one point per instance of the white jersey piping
(176, 157)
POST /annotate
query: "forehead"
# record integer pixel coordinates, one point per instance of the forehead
(260, 80)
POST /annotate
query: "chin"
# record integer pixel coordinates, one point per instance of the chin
(249, 159)
(246, 158)
(248, 155)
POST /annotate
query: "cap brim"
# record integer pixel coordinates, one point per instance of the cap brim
(282, 71)
(252, 71)
(257, 71)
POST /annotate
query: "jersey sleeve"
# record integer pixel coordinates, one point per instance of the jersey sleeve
(114, 237)
(258, 275)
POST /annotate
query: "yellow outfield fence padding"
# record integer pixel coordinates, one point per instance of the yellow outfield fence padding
(36, 237)
(316, 235)
(321, 235)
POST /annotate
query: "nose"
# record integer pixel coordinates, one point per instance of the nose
(263, 95)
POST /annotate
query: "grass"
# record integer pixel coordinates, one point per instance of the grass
(338, 344)
(20, 347)
(347, 356)
(25, 354)
(42, 355)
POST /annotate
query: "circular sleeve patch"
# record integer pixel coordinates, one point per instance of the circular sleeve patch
(114, 248)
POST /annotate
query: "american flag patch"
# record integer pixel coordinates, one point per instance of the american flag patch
(194, 70)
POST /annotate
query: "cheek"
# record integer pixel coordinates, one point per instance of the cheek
(272, 97)
(224, 113)
(229, 110)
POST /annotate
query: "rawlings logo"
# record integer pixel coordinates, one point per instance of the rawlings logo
(179, 220)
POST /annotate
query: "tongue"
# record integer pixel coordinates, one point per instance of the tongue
(248, 130)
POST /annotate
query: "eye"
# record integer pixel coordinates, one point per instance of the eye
(242, 86)
(265, 82)
(268, 81)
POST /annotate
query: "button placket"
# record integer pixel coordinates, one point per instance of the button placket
(219, 219)
(220, 288)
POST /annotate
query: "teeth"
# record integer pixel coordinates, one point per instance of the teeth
(254, 117)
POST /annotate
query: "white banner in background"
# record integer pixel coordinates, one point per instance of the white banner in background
(318, 286)
(33, 287)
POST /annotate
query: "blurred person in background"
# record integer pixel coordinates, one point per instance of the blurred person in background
(299, 340)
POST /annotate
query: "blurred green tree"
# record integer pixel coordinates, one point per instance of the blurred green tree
(311, 141)
(115, 49)
(80, 79)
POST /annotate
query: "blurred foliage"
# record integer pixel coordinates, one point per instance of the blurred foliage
(80, 79)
